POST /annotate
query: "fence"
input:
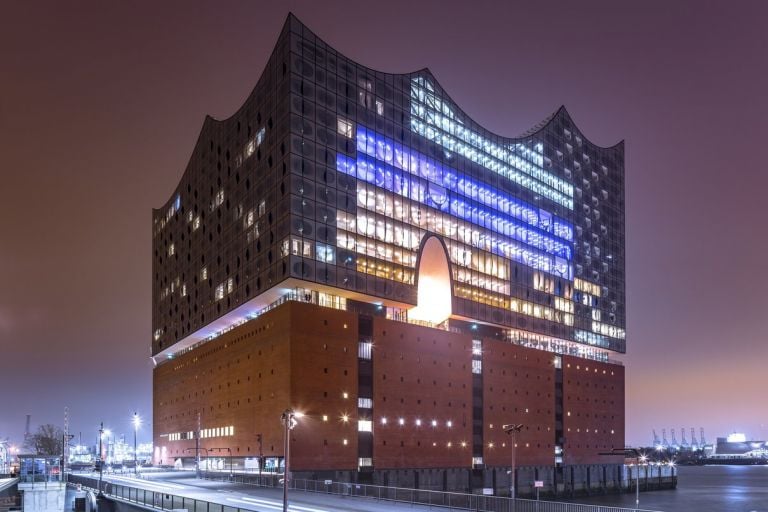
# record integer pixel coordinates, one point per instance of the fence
(447, 500)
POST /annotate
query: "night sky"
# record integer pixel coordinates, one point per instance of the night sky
(101, 104)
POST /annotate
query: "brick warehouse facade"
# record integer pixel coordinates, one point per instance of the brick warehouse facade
(288, 270)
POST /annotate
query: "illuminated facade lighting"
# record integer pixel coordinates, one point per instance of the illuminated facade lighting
(343, 208)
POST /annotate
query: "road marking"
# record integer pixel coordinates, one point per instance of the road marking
(273, 507)
(150, 483)
(279, 505)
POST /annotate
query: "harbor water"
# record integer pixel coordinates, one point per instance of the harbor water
(703, 489)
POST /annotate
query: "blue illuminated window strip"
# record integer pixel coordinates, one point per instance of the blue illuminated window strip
(412, 189)
(435, 120)
(390, 179)
(395, 154)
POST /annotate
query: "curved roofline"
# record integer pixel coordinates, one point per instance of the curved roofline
(536, 129)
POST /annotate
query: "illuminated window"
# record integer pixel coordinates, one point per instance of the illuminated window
(204, 274)
(434, 119)
(262, 207)
(477, 347)
(365, 462)
(171, 250)
(301, 247)
(344, 127)
(325, 253)
(365, 426)
(365, 350)
(365, 403)
(219, 293)
(477, 366)
(260, 136)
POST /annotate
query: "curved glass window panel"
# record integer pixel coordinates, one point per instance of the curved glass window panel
(435, 120)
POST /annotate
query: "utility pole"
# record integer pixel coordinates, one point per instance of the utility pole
(136, 423)
(288, 418)
(639, 457)
(197, 446)
(101, 458)
(512, 430)
(261, 453)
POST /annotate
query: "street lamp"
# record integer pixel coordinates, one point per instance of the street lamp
(632, 452)
(289, 420)
(101, 456)
(512, 430)
(136, 424)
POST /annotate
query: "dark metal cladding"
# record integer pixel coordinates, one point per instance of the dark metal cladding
(286, 188)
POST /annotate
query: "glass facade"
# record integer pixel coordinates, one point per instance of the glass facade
(334, 175)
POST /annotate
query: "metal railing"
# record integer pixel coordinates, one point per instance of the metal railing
(447, 500)
(443, 499)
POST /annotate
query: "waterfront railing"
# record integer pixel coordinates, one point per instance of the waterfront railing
(447, 500)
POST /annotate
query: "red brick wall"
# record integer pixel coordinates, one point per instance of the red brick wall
(426, 374)
(242, 379)
(594, 397)
(324, 367)
(304, 356)
(238, 379)
(518, 387)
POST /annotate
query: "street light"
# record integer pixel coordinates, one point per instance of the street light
(631, 452)
(136, 424)
(289, 420)
(101, 456)
(512, 430)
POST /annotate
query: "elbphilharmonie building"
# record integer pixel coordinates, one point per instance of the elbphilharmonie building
(351, 245)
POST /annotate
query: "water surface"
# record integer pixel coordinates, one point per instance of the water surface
(704, 489)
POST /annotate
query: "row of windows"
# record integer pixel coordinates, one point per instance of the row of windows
(204, 433)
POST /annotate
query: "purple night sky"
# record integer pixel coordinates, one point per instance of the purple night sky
(101, 104)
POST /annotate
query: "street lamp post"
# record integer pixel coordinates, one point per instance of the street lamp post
(101, 457)
(512, 430)
(136, 424)
(289, 419)
(631, 452)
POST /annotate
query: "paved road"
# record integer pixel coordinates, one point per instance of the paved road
(257, 499)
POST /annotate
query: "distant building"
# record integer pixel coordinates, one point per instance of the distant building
(351, 244)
